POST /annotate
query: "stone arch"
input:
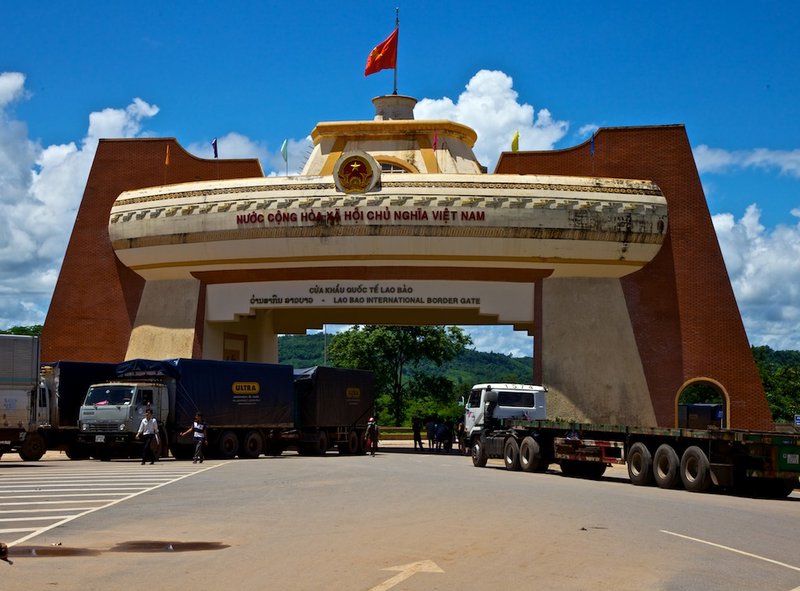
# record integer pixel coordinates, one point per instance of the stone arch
(698, 396)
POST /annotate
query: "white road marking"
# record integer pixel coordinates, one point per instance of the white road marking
(174, 477)
(729, 549)
(406, 571)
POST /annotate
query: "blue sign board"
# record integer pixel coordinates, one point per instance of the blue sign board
(797, 420)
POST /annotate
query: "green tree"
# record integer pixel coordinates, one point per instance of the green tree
(36, 329)
(780, 375)
(390, 351)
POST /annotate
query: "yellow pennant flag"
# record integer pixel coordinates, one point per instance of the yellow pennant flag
(166, 159)
(515, 142)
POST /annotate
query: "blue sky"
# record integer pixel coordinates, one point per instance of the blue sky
(255, 73)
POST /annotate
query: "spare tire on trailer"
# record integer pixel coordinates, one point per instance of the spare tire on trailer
(666, 467)
(640, 464)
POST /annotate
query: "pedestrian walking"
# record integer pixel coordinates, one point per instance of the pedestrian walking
(148, 431)
(199, 429)
(372, 435)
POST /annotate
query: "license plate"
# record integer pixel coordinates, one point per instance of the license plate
(99, 438)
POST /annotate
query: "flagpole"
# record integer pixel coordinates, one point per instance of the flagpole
(396, 26)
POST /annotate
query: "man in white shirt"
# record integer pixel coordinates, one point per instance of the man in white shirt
(149, 430)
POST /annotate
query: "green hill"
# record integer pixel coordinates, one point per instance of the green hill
(471, 367)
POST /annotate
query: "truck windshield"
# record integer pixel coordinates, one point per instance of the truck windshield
(113, 395)
(516, 398)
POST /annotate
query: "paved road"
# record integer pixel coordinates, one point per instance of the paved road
(400, 521)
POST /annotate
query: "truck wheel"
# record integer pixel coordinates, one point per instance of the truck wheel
(77, 451)
(228, 444)
(274, 448)
(666, 467)
(322, 444)
(33, 448)
(530, 456)
(695, 470)
(511, 454)
(479, 457)
(640, 464)
(768, 488)
(252, 446)
(350, 446)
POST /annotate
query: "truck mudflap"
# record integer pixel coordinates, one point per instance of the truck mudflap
(589, 450)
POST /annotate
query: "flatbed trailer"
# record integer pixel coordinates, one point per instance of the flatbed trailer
(765, 464)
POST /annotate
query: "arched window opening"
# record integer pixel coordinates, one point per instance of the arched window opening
(702, 404)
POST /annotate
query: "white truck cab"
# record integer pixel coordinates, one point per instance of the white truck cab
(514, 401)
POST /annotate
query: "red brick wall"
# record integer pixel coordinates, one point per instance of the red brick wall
(96, 297)
(685, 318)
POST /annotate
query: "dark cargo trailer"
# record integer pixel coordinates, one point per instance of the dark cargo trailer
(249, 408)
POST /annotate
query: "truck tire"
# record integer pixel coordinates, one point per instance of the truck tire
(274, 448)
(349, 447)
(666, 467)
(768, 488)
(228, 444)
(33, 448)
(252, 445)
(77, 451)
(322, 444)
(640, 464)
(479, 457)
(530, 455)
(511, 454)
(695, 470)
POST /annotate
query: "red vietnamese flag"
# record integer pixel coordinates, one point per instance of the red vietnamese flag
(384, 56)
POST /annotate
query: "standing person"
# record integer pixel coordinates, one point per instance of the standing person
(149, 429)
(430, 429)
(373, 434)
(461, 434)
(416, 426)
(199, 429)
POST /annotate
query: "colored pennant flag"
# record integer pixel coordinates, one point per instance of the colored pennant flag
(515, 142)
(384, 56)
(285, 151)
(591, 147)
(435, 140)
(214, 146)
(166, 158)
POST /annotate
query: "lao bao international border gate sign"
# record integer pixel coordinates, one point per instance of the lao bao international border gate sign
(508, 301)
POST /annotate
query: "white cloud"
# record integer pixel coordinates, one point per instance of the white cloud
(40, 191)
(12, 87)
(489, 105)
(717, 160)
(765, 274)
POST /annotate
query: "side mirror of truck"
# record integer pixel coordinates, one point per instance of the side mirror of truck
(490, 396)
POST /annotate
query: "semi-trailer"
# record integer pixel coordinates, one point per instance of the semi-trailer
(249, 408)
(755, 463)
(39, 402)
(19, 386)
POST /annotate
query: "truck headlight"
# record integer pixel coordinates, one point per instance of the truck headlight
(122, 426)
(84, 427)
